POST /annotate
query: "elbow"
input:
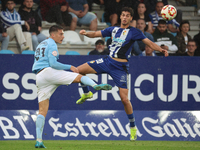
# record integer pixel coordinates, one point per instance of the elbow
(52, 65)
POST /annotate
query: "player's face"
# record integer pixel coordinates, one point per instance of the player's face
(162, 27)
(159, 7)
(185, 28)
(100, 47)
(191, 47)
(141, 8)
(58, 36)
(28, 3)
(10, 5)
(141, 25)
(125, 18)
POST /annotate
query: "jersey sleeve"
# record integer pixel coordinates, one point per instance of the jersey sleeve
(138, 35)
(107, 32)
(52, 55)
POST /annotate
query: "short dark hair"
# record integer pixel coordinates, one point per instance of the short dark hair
(184, 22)
(192, 41)
(162, 22)
(99, 41)
(141, 19)
(55, 28)
(128, 9)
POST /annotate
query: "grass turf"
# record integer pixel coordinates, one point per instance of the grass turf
(101, 145)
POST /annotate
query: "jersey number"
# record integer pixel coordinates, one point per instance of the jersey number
(38, 51)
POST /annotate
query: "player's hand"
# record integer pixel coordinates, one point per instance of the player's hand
(165, 52)
(27, 26)
(83, 32)
(39, 28)
(74, 69)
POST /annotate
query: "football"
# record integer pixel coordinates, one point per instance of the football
(168, 12)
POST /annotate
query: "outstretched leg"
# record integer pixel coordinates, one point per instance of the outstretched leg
(129, 111)
(89, 82)
(86, 69)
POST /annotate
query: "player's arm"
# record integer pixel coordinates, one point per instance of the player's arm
(91, 34)
(154, 46)
(60, 66)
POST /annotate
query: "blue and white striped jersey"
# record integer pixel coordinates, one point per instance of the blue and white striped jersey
(46, 55)
(10, 19)
(122, 40)
(155, 18)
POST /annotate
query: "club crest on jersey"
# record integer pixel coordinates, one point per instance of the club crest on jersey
(54, 53)
(92, 62)
(99, 61)
(124, 32)
(123, 78)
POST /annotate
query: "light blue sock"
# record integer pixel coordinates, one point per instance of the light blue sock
(87, 81)
(39, 126)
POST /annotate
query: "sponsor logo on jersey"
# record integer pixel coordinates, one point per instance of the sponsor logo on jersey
(99, 61)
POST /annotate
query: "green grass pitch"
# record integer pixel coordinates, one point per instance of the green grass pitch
(101, 145)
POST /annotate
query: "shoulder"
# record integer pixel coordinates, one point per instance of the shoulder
(153, 13)
(133, 29)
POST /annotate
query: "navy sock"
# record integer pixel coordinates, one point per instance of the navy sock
(131, 120)
(85, 88)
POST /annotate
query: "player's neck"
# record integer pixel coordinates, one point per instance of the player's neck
(124, 26)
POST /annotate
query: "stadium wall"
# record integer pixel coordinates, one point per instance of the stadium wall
(164, 92)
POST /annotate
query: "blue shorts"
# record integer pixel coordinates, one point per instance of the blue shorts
(85, 20)
(119, 71)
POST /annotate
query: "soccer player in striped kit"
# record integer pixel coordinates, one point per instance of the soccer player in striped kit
(50, 74)
(116, 64)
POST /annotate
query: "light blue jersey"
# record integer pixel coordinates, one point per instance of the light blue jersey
(46, 55)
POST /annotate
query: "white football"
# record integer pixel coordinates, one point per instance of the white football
(168, 12)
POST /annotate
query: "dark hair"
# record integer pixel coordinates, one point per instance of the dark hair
(162, 22)
(159, 1)
(141, 19)
(99, 41)
(192, 41)
(22, 5)
(184, 22)
(4, 3)
(128, 9)
(55, 28)
(136, 11)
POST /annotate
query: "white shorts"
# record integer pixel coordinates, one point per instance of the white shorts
(49, 79)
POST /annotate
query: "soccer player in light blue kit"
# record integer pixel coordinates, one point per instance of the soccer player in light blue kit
(50, 74)
(116, 64)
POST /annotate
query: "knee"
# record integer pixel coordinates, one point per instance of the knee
(7, 38)
(74, 20)
(125, 100)
(78, 79)
(17, 26)
(34, 39)
(94, 20)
